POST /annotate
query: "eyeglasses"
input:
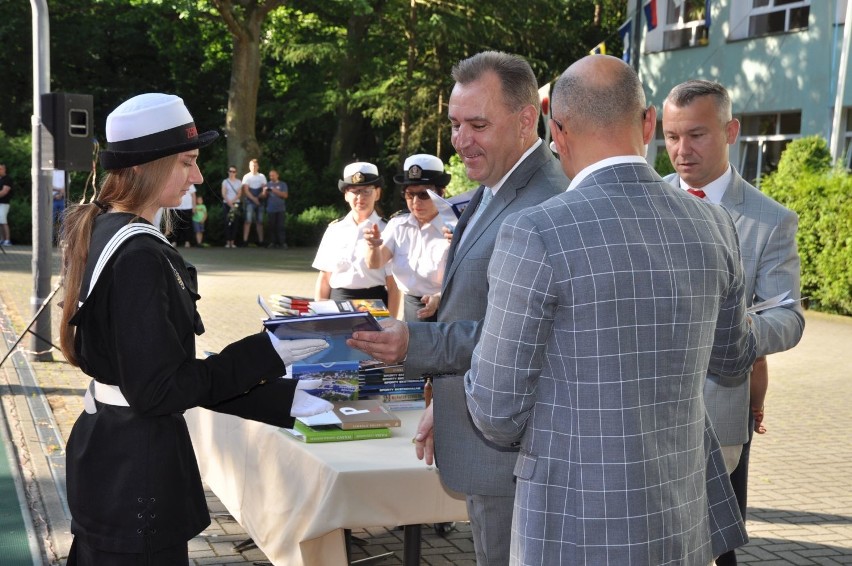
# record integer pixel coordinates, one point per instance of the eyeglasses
(360, 192)
(422, 195)
(232, 170)
(558, 124)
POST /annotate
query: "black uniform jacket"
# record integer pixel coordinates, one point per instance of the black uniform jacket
(133, 482)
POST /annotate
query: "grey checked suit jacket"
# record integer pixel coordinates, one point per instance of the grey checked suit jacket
(606, 306)
(467, 462)
(767, 234)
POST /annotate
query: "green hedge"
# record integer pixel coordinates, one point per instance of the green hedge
(806, 183)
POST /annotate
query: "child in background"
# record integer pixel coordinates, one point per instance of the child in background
(199, 217)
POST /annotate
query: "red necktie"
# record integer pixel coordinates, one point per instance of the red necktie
(697, 192)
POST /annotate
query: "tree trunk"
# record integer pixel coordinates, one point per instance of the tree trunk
(242, 103)
(350, 121)
(245, 25)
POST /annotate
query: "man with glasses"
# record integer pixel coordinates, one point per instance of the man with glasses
(341, 257)
(494, 110)
(414, 243)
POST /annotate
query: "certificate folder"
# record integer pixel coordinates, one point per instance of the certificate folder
(334, 328)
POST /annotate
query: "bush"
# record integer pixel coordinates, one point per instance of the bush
(806, 183)
(307, 228)
(662, 164)
(459, 183)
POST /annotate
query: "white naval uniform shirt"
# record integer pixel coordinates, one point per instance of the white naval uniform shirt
(419, 254)
(343, 251)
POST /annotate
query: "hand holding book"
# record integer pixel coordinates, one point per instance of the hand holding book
(294, 350)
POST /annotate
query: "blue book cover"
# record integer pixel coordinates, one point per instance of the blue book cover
(334, 328)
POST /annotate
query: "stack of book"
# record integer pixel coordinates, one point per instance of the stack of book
(289, 305)
(344, 373)
(349, 420)
(387, 384)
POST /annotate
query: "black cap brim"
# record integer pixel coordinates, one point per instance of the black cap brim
(123, 159)
(440, 180)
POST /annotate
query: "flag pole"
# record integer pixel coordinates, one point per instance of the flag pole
(636, 39)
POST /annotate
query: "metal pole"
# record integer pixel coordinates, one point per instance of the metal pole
(41, 196)
(636, 38)
(836, 132)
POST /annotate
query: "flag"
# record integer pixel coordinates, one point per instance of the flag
(544, 99)
(599, 49)
(651, 14)
(624, 33)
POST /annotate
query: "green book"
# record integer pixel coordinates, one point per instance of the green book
(331, 433)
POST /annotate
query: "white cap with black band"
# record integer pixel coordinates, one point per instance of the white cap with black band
(148, 127)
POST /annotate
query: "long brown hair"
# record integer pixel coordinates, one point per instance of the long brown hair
(133, 189)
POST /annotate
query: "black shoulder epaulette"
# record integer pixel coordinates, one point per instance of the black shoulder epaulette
(398, 213)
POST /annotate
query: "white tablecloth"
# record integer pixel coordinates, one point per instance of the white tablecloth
(294, 499)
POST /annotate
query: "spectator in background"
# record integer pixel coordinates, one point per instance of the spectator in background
(5, 200)
(341, 257)
(183, 219)
(58, 201)
(414, 243)
(231, 190)
(276, 206)
(199, 217)
(254, 191)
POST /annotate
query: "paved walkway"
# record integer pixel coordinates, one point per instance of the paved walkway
(801, 476)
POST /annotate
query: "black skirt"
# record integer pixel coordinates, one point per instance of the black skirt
(379, 292)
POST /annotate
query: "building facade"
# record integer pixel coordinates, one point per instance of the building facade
(779, 59)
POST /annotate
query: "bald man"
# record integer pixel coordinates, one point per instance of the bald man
(606, 306)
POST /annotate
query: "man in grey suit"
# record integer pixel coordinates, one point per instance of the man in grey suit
(698, 127)
(493, 109)
(606, 305)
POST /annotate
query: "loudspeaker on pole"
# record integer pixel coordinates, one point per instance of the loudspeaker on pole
(67, 138)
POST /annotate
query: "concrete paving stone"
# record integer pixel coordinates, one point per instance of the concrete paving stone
(198, 544)
(819, 552)
(196, 554)
(224, 548)
(795, 558)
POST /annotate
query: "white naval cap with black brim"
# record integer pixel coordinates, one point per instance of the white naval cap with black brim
(150, 126)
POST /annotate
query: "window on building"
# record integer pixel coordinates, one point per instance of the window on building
(763, 137)
(754, 18)
(684, 25)
(681, 24)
